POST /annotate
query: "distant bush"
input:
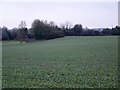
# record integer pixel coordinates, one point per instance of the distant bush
(44, 30)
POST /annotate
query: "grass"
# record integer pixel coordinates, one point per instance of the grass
(69, 62)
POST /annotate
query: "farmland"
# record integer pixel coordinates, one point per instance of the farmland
(69, 62)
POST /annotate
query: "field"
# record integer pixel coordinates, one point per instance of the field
(69, 62)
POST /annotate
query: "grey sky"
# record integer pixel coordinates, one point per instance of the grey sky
(89, 14)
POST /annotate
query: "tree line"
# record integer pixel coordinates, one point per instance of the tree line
(49, 30)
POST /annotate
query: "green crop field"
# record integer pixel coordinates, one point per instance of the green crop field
(69, 62)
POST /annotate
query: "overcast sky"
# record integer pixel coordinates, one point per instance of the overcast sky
(89, 14)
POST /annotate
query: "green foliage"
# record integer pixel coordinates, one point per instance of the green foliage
(113, 31)
(5, 33)
(70, 62)
(77, 29)
(42, 30)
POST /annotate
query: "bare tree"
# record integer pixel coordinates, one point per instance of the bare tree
(22, 32)
(22, 25)
(52, 23)
(68, 25)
